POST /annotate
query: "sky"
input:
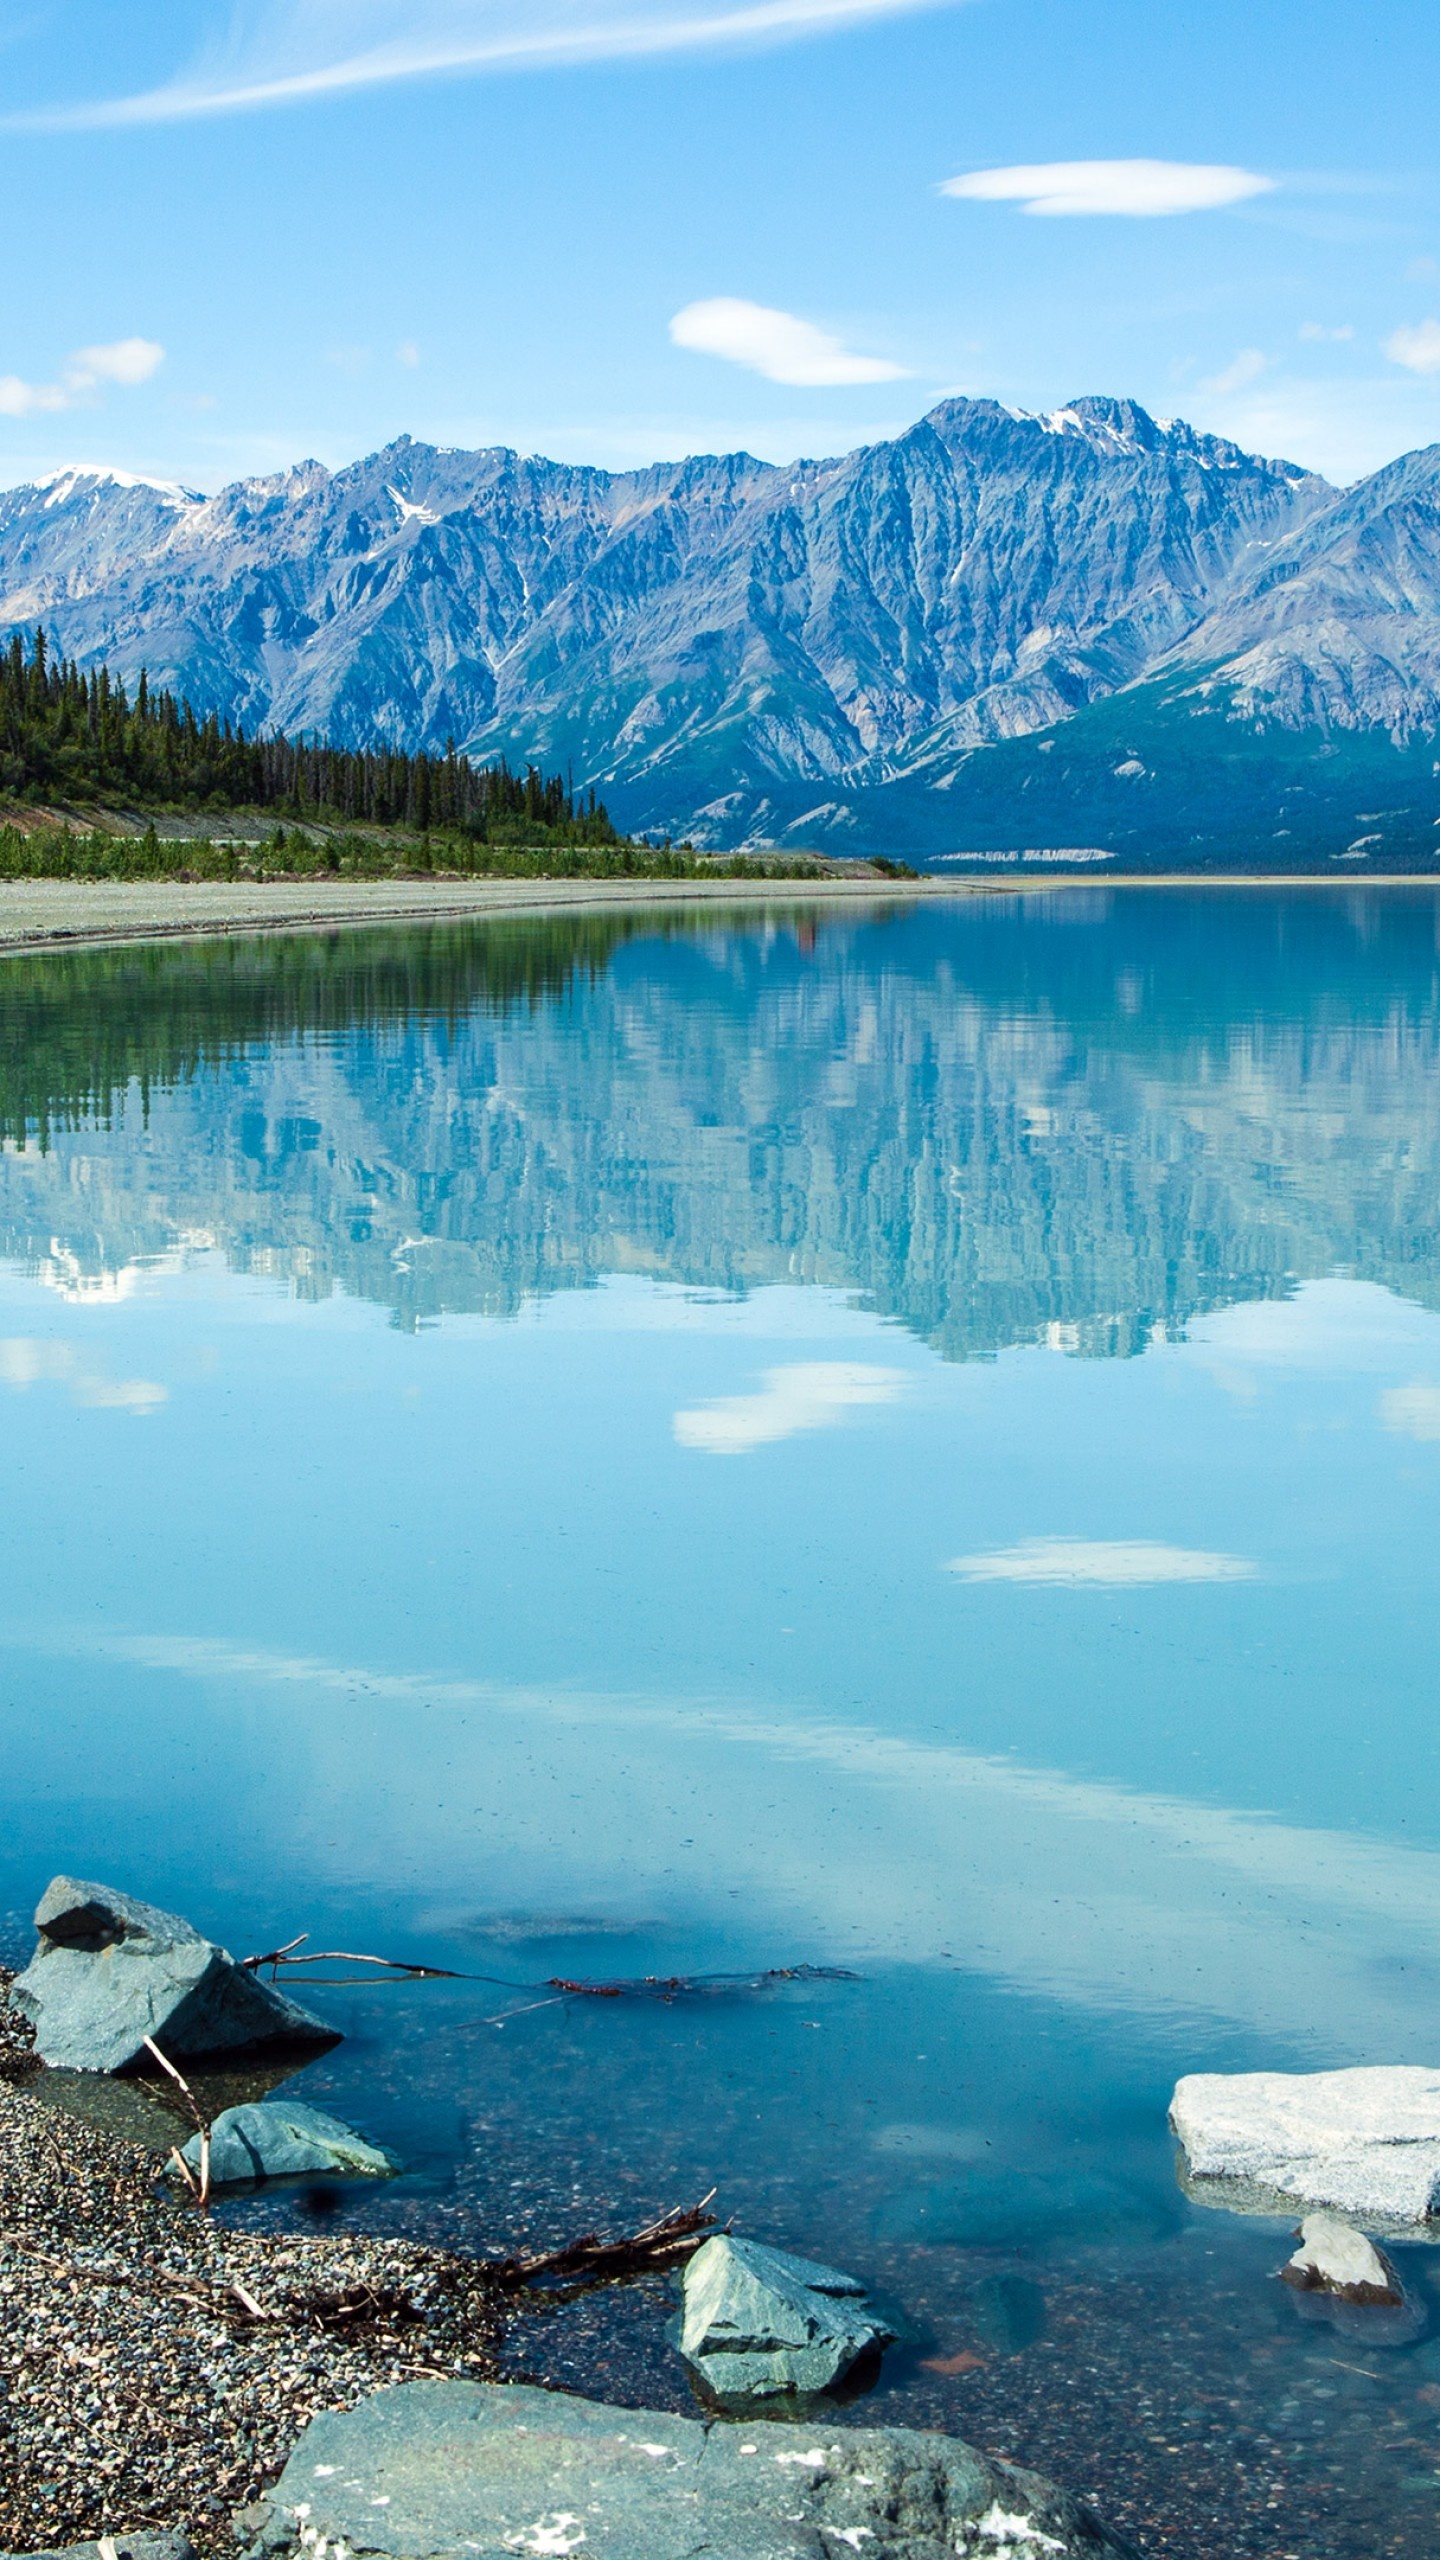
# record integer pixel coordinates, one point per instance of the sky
(241, 233)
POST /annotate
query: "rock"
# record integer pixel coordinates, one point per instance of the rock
(1364, 2141)
(1008, 2312)
(758, 2322)
(492, 2470)
(117, 2546)
(278, 2138)
(110, 1971)
(1333, 2257)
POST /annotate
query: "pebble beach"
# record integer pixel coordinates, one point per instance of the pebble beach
(155, 2368)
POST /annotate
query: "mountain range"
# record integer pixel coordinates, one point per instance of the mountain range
(993, 635)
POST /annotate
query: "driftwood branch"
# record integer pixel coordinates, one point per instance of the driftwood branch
(278, 1956)
(666, 2243)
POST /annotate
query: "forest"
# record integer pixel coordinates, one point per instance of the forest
(79, 738)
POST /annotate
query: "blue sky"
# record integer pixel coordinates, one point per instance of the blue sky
(241, 232)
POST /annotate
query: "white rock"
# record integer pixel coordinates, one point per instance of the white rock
(1333, 2257)
(1365, 2141)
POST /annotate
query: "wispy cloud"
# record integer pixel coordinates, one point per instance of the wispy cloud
(1239, 373)
(127, 362)
(1135, 187)
(808, 1395)
(776, 344)
(27, 1362)
(1418, 349)
(1316, 331)
(1413, 1410)
(282, 52)
(1109, 1562)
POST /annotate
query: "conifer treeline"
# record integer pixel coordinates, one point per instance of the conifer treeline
(79, 737)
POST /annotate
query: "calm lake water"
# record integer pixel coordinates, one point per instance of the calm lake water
(903, 1441)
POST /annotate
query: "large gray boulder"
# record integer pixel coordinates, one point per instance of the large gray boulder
(492, 2470)
(118, 2546)
(110, 1971)
(279, 2138)
(1364, 2142)
(758, 2323)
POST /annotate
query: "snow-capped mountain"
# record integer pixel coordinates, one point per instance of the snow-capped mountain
(848, 649)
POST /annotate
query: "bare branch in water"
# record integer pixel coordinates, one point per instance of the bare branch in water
(679, 1986)
(285, 1955)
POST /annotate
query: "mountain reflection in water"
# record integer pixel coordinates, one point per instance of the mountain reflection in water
(1092, 1110)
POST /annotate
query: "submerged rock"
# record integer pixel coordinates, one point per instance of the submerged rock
(1333, 2257)
(1365, 2141)
(110, 1971)
(1339, 2277)
(279, 2138)
(758, 2323)
(1008, 2312)
(490, 2470)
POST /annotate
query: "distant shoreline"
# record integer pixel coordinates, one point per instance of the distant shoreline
(49, 915)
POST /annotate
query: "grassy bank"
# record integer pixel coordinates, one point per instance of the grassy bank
(64, 852)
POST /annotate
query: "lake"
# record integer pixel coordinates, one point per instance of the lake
(903, 1442)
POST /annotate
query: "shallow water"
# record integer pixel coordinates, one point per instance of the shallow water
(901, 1442)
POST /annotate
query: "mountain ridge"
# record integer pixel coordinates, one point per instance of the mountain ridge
(847, 650)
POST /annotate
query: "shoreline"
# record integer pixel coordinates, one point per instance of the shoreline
(51, 915)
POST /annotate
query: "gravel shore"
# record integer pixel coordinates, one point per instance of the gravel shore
(40, 914)
(155, 2368)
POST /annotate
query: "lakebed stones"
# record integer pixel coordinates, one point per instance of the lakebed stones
(1363, 2142)
(491, 2470)
(280, 2138)
(110, 1971)
(759, 2324)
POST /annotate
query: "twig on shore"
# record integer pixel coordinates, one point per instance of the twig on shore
(666, 2243)
(201, 2193)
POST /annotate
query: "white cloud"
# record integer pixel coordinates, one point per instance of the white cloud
(1413, 1410)
(32, 1363)
(1418, 349)
(1314, 329)
(1239, 373)
(1108, 1562)
(808, 1395)
(128, 361)
(281, 52)
(1110, 186)
(776, 344)
(407, 353)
